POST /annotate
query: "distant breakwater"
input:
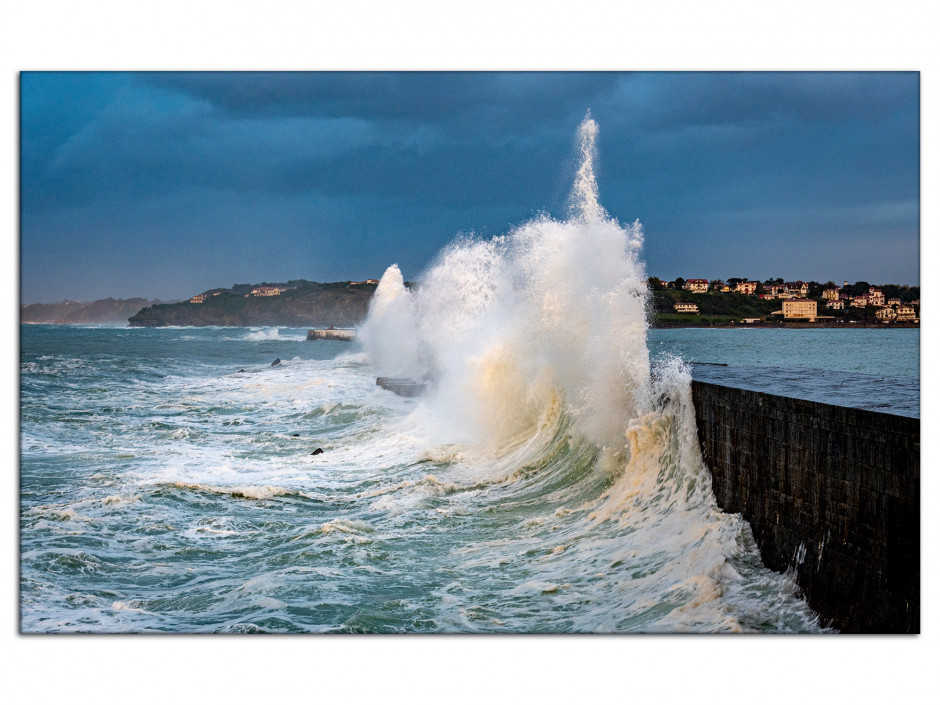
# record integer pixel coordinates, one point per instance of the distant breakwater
(341, 334)
(831, 493)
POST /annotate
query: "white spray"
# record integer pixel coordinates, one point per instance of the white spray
(389, 334)
(544, 330)
(548, 318)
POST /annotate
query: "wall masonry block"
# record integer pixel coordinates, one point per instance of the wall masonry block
(842, 483)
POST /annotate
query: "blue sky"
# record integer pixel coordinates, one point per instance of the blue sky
(167, 184)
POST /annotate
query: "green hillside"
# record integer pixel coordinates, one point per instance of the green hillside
(303, 304)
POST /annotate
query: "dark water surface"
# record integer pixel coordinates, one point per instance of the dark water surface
(872, 369)
(167, 484)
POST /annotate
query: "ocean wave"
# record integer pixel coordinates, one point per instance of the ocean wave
(350, 531)
(550, 479)
(262, 334)
(240, 491)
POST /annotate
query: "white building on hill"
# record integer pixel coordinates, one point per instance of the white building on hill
(800, 308)
(685, 308)
(697, 286)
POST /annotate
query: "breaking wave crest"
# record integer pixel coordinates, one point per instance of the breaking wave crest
(550, 479)
(534, 345)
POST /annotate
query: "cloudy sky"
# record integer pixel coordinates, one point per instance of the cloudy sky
(164, 185)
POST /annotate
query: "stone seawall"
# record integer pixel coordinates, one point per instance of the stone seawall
(831, 493)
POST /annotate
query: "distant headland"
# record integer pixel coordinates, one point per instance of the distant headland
(296, 303)
(84, 312)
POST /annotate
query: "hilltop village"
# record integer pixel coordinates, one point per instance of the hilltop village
(776, 302)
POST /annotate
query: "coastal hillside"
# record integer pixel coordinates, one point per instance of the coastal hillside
(108, 310)
(887, 305)
(715, 304)
(296, 303)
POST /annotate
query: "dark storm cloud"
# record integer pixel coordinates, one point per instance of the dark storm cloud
(718, 166)
(252, 132)
(435, 136)
(670, 101)
(752, 164)
(460, 100)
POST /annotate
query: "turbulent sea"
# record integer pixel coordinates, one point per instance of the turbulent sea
(549, 481)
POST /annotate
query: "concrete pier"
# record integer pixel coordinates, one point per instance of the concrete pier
(831, 493)
(343, 334)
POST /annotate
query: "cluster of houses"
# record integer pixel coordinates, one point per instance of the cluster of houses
(256, 291)
(796, 305)
(790, 290)
(888, 310)
(266, 291)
